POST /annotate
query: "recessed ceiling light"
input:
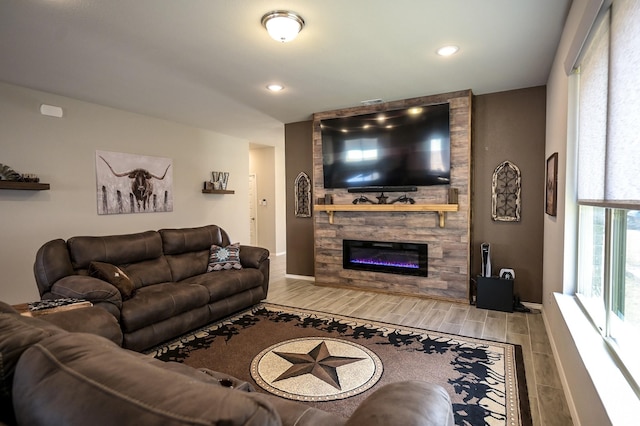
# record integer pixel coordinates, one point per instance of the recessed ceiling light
(275, 87)
(447, 50)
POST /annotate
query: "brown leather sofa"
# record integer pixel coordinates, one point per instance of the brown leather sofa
(53, 377)
(170, 291)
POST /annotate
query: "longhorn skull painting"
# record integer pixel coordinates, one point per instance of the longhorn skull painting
(128, 183)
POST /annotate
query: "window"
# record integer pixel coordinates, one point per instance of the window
(608, 184)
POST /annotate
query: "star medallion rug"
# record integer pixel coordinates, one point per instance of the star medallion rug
(334, 362)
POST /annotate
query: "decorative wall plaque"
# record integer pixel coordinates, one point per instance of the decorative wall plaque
(505, 193)
(302, 195)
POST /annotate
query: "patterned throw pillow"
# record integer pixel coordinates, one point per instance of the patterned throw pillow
(224, 258)
(113, 275)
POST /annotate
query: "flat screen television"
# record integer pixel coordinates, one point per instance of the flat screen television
(386, 150)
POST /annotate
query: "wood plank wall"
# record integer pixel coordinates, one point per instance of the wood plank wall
(449, 247)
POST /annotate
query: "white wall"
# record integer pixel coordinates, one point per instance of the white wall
(559, 239)
(62, 153)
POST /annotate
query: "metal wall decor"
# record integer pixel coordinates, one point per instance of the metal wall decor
(303, 195)
(219, 180)
(551, 200)
(505, 193)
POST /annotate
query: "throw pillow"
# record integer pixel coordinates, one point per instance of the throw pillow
(113, 275)
(224, 258)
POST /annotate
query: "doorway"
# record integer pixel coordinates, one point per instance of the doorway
(253, 211)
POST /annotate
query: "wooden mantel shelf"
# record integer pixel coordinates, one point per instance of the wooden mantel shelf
(438, 208)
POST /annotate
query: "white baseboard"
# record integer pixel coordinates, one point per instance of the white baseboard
(300, 277)
(531, 305)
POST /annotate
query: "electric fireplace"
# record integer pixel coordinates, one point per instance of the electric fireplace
(389, 257)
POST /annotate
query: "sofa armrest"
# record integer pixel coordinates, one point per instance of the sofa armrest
(257, 257)
(405, 403)
(88, 320)
(252, 257)
(88, 288)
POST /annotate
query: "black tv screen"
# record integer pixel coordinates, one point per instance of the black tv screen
(408, 147)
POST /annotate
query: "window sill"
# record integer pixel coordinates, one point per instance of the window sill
(616, 395)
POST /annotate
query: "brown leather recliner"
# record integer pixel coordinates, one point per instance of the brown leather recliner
(51, 376)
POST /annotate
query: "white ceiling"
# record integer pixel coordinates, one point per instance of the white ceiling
(205, 63)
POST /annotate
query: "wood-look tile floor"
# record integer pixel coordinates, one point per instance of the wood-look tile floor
(546, 397)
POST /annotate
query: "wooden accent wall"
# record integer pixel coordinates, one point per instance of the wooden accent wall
(449, 247)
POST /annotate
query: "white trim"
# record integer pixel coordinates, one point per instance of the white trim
(282, 253)
(614, 391)
(561, 373)
(300, 277)
(531, 305)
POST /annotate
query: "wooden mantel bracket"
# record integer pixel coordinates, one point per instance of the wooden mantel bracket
(438, 208)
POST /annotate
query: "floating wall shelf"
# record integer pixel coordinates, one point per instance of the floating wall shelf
(218, 191)
(24, 186)
(438, 208)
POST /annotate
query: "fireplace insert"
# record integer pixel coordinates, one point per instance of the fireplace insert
(389, 257)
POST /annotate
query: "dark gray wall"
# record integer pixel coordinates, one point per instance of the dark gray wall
(510, 126)
(298, 151)
(506, 126)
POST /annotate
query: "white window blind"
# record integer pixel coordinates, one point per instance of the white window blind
(592, 127)
(609, 118)
(623, 145)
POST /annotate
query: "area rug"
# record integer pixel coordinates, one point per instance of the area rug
(334, 362)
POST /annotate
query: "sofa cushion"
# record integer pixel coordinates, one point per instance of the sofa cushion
(188, 264)
(178, 241)
(224, 258)
(227, 283)
(105, 384)
(187, 249)
(114, 249)
(158, 302)
(113, 275)
(148, 272)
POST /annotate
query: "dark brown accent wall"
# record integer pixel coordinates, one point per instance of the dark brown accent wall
(298, 158)
(510, 126)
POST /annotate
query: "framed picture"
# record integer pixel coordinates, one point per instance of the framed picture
(131, 183)
(551, 205)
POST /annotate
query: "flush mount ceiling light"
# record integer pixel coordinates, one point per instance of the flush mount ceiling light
(283, 25)
(447, 50)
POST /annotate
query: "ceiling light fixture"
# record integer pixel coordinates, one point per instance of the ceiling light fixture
(447, 50)
(275, 87)
(283, 25)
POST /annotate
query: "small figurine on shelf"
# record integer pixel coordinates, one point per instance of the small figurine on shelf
(7, 173)
(29, 177)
